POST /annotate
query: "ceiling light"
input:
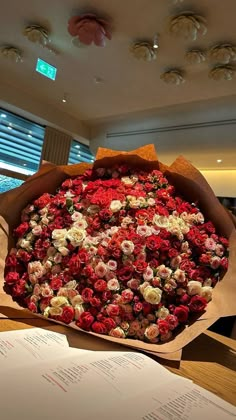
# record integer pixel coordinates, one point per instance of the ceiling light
(78, 154)
(3, 116)
(9, 127)
(64, 99)
(98, 80)
(77, 146)
(29, 135)
(24, 164)
(219, 160)
(155, 42)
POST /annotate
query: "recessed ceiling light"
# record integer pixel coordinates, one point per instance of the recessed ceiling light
(78, 155)
(9, 127)
(77, 146)
(24, 164)
(3, 116)
(98, 80)
(219, 160)
(155, 42)
(29, 135)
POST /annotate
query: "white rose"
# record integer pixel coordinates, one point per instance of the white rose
(77, 300)
(37, 230)
(101, 269)
(179, 275)
(76, 236)
(144, 230)
(164, 272)
(59, 301)
(127, 181)
(148, 274)
(59, 234)
(79, 309)
(63, 250)
(115, 206)
(127, 247)
(160, 221)
(55, 311)
(113, 284)
(162, 313)
(76, 216)
(152, 295)
(206, 292)
(194, 287)
(151, 332)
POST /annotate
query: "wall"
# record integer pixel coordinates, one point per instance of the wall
(222, 182)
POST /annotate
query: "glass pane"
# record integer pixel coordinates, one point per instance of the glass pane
(79, 153)
(8, 183)
(21, 143)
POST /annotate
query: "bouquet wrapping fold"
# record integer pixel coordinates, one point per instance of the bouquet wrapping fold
(187, 180)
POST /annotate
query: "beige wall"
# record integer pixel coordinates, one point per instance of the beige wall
(222, 182)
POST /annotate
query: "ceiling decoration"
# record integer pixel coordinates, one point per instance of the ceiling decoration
(89, 29)
(173, 77)
(219, 73)
(195, 56)
(188, 25)
(144, 51)
(39, 35)
(222, 53)
(11, 53)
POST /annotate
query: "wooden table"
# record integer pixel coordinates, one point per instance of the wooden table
(209, 360)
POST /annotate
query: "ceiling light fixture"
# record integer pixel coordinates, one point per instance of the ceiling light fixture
(3, 116)
(219, 160)
(155, 42)
(64, 99)
(98, 80)
(77, 146)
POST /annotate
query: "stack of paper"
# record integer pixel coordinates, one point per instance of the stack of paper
(42, 377)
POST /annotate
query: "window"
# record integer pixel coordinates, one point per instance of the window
(79, 153)
(21, 144)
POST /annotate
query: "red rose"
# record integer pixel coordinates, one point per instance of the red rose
(87, 294)
(83, 256)
(12, 277)
(95, 301)
(224, 263)
(19, 289)
(56, 283)
(11, 260)
(43, 200)
(106, 296)
(138, 307)
(153, 242)
(67, 314)
(105, 214)
(22, 229)
(172, 321)
(112, 310)
(125, 273)
(147, 308)
(24, 256)
(32, 307)
(184, 299)
(140, 266)
(74, 265)
(99, 328)
(163, 326)
(85, 321)
(100, 285)
(181, 312)
(109, 323)
(197, 304)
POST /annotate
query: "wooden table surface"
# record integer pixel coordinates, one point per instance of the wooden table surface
(209, 360)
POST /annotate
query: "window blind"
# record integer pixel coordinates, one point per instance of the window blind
(21, 143)
(79, 153)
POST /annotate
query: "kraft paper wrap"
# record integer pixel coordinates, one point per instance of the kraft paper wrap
(187, 180)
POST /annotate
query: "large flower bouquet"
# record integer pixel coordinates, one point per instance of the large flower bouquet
(117, 251)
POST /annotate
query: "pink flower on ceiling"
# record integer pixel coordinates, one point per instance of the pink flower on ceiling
(90, 29)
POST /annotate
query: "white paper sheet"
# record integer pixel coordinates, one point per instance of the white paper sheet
(29, 346)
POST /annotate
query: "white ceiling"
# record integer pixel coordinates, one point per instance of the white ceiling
(130, 87)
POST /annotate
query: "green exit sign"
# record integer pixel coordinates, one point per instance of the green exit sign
(46, 69)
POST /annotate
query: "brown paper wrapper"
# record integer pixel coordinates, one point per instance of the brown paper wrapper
(188, 181)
